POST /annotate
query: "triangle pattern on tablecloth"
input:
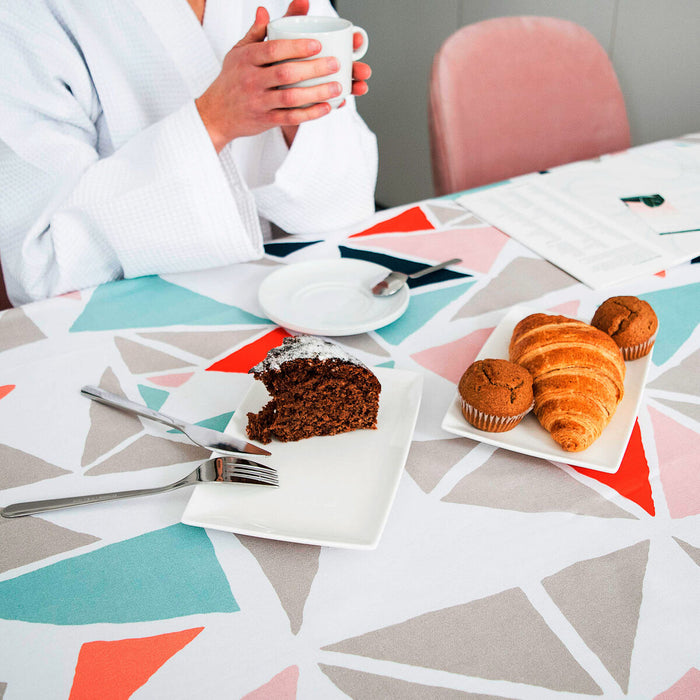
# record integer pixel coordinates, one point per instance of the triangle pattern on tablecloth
(290, 568)
(521, 281)
(583, 593)
(179, 575)
(114, 670)
(283, 248)
(445, 214)
(421, 308)
(680, 477)
(283, 686)
(692, 410)
(403, 265)
(631, 480)
(500, 637)
(360, 684)
(452, 359)
(18, 468)
(151, 302)
(172, 381)
(148, 452)
(677, 310)
(682, 379)
(140, 359)
(17, 329)
(478, 248)
(5, 390)
(207, 344)
(108, 427)
(427, 471)
(365, 343)
(497, 484)
(692, 552)
(412, 219)
(686, 688)
(153, 398)
(249, 355)
(28, 540)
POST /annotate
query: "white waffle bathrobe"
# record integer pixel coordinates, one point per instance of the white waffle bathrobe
(106, 169)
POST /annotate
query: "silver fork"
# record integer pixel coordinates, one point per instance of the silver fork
(218, 470)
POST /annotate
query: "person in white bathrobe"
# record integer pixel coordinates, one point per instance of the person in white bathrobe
(122, 153)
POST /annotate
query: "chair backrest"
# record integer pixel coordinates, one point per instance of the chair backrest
(514, 95)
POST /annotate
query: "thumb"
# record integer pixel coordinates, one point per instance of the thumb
(259, 29)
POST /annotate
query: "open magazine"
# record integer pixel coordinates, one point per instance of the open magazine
(607, 220)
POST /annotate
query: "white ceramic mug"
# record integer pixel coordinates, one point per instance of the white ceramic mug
(336, 37)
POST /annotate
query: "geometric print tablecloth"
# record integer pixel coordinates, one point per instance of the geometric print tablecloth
(497, 576)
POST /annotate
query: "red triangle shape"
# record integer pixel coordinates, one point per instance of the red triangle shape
(115, 670)
(631, 480)
(249, 355)
(5, 390)
(413, 219)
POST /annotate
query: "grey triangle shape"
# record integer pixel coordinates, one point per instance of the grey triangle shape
(501, 637)
(365, 343)
(108, 426)
(16, 329)
(692, 410)
(692, 552)
(147, 452)
(497, 484)
(426, 469)
(28, 540)
(360, 685)
(207, 344)
(522, 280)
(141, 359)
(18, 468)
(682, 379)
(583, 593)
(290, 568)
(445, 214)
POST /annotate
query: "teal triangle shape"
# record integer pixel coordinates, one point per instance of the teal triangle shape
(147, 302)
(157, 576)
(391, 364)
(421, 308)
(154, 398)
(678, 310)
(216, 423)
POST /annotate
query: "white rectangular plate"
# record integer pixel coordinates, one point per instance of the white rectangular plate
(530, 438)
(334, 490)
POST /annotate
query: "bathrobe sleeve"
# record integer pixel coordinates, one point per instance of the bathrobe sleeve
(161, 203)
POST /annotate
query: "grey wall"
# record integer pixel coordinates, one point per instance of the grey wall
(653, 45)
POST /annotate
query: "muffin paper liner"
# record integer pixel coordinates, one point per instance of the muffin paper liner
(634, 352)
(490, 423)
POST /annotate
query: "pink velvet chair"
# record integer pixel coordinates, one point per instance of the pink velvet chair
(514, 95)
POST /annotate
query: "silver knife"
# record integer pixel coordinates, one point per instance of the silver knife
(204, 437)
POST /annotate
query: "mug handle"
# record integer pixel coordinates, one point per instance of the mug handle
(357, 54)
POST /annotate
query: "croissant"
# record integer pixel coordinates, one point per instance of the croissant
(578, 376)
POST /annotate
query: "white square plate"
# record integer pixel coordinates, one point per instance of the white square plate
(334, 490)
(530, 438)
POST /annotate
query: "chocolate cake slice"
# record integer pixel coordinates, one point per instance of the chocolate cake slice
(317, 389)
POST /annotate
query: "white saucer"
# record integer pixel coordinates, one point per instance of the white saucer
(330, 297)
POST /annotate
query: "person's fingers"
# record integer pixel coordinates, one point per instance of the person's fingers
(297, 7)
(357, 41)
(288, 72)
(283, 50)
(293, 98)
(258, 30)
(293, 117)
(361, 71)
(359, 87)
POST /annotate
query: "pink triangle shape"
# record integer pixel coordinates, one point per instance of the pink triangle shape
(686, 688)
(171, 380)
(450, 360)
(477, 247)
(680, 476)
(71, 295)
(568, 308)
(283, 686)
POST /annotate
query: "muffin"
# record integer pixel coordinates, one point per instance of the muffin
(495, 394)
(630, 322)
